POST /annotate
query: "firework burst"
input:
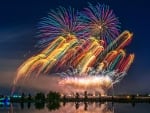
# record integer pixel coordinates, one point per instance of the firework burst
(101, 22)
(61, 22)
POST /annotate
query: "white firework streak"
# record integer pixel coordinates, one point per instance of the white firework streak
(92, 81)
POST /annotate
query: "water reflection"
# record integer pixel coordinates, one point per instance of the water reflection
(39, 105)
(85, 108)
(53, 106)
(73, 107)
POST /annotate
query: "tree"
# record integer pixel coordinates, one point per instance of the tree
(53, 96)
(40, 97)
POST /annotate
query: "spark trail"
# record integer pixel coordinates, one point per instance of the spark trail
(81, 55)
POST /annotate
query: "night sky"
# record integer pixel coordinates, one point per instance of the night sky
(18, 23)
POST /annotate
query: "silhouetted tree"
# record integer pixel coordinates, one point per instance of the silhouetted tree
(40, 97)
(53, 96)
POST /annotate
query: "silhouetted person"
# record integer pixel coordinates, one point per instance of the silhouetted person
(99, 97)
(77, 96)
(22, 97)
(64, 97)
(85, 95)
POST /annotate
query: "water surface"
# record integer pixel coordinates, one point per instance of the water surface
(75, 108)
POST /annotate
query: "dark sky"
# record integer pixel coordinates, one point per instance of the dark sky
(18, 20)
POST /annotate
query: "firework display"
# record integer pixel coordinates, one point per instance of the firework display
(101, 22)
(61, 22)
(88, 42)
(99, 82)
